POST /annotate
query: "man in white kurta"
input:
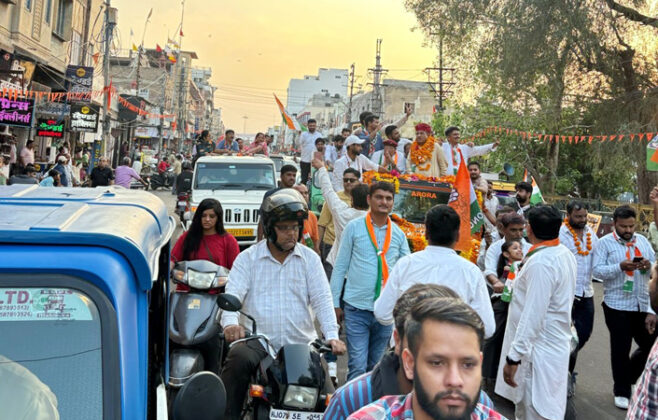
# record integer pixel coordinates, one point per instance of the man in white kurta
(438, 264)
(451, 149)
(534, 363)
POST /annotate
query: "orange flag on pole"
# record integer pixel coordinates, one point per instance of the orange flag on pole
(464, 200)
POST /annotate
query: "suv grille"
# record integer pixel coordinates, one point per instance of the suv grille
(247, 216)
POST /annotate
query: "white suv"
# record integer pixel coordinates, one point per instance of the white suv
(239, 184)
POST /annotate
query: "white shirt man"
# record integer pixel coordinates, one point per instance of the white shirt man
(358, 162)
(585, 262)
(399, 161)
(307, 142)
(535, 358)
(451, 149)
(437, 265)
(341, 212)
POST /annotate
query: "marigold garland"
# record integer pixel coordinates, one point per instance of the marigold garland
(576, 240)
(415, 236)
(422, 155)
(373, 176)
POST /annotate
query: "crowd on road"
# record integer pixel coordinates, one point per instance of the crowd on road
(431, 334)
(428, 334)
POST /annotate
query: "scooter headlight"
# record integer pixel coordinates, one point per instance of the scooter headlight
(199, 280)
(300, 397)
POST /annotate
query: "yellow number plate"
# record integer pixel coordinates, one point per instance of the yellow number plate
(241, 232)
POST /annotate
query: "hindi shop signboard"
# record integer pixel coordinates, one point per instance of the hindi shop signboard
(17, 112)
(48, 127)
(80, 80)
(84, 118)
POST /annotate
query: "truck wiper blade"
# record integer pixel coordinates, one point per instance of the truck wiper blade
(234, 185)
(259, 187)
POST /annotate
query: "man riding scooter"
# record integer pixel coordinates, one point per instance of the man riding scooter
(278, 283)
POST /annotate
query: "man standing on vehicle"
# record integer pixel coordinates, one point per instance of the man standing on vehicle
(369, 248)
(307, 144)
(353, 159)
(622, 259)
(452, 150)
(281, 284)
(228, 146)
(204, 145)
(425, 154)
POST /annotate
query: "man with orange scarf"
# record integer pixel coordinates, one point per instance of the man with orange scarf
(426, 155)
(534, 364)
(370, 246)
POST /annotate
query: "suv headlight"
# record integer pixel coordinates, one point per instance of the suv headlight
(300, 397)
(199, 280)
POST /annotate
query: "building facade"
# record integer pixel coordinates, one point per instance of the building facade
(328, 81)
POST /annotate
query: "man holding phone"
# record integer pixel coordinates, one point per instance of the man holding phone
(623, 261)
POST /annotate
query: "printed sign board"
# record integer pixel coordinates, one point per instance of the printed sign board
(49, 127)
(80, 79)
(84, 118)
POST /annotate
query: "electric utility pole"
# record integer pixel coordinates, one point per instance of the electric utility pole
(110, 22)
(376, 103)
(441, 88)
(349, 110)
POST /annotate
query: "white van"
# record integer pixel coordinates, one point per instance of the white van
(238, 183)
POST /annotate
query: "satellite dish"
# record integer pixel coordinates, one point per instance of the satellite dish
(509, 169)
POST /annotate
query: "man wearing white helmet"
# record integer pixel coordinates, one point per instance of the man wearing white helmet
(353, 159)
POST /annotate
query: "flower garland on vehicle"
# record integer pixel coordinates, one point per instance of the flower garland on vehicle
(415, 236)
(422, 155)
(576, 240)
(373, 176)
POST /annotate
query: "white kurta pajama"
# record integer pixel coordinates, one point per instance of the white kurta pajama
(539, 333)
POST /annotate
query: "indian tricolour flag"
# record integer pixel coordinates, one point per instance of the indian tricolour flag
(465, 203)
(290, 122)
(536, 196)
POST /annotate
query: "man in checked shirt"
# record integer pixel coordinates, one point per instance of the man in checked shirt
(622, 260)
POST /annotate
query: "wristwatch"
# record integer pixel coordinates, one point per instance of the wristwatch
(512, 362)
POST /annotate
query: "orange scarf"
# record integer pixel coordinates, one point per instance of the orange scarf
(382, 266)
(630, 244)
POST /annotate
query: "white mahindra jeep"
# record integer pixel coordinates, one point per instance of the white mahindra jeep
(239, 184)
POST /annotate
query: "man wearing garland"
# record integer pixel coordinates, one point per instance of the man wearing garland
(451, 150)
(581, 240)
(426, 156)
(390, 158)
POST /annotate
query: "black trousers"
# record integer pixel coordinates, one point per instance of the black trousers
(306, 171)
(324, 251)
(241, 364)
(493, 346)
(624, 327)
(582, 315)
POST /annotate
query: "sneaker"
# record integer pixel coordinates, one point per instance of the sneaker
(621, 402)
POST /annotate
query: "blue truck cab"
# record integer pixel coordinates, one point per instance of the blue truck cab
(83, 303)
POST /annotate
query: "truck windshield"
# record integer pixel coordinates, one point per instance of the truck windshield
(50, 354)
(412, 204)
(219, 175)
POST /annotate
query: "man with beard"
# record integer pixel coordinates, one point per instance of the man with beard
(443, 360)
(335, 151)
(353, 159)
(534, 362)
(387, 378)
(622, 259)
(523, 194)
(581, 241)
(425, 155)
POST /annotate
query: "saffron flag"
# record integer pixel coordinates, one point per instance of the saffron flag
(158, 48)
(134, 47)
(536, 196)
(290, 122)
(652, 155)
(465, 203)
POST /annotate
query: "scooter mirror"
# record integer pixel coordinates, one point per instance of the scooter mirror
(187, 216)
(229, 303)
(203, 397)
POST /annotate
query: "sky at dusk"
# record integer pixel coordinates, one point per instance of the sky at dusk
(255, 46)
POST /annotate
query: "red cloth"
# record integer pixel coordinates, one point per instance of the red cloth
(163, 166)
(224, 249)
(424, 127)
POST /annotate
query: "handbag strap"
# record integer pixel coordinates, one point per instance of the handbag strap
(212, 258)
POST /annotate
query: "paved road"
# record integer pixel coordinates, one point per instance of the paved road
(594, 387)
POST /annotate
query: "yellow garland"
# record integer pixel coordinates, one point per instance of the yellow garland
(372, 176)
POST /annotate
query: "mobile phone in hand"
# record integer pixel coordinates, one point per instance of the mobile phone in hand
(638, 259)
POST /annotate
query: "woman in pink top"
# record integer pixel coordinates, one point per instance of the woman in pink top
(207, 239)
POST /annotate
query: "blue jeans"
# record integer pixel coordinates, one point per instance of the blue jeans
(366, 340)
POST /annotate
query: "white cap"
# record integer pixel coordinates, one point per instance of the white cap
(62, 158)
(352, 139)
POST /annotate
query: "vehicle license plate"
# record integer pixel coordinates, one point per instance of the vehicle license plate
(276, 414)
(241, 232)
(182, 203)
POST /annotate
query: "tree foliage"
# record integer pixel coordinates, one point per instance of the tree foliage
(555, 66)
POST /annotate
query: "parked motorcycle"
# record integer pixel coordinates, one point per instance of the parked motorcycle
(287, 385)
(194, 328)
(165, 179)
(181, 205)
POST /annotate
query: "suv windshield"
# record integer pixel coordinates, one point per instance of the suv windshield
(218, 175)
(50, 354)
(412, 204)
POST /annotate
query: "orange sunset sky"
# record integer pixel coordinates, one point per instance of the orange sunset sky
(255, 46)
